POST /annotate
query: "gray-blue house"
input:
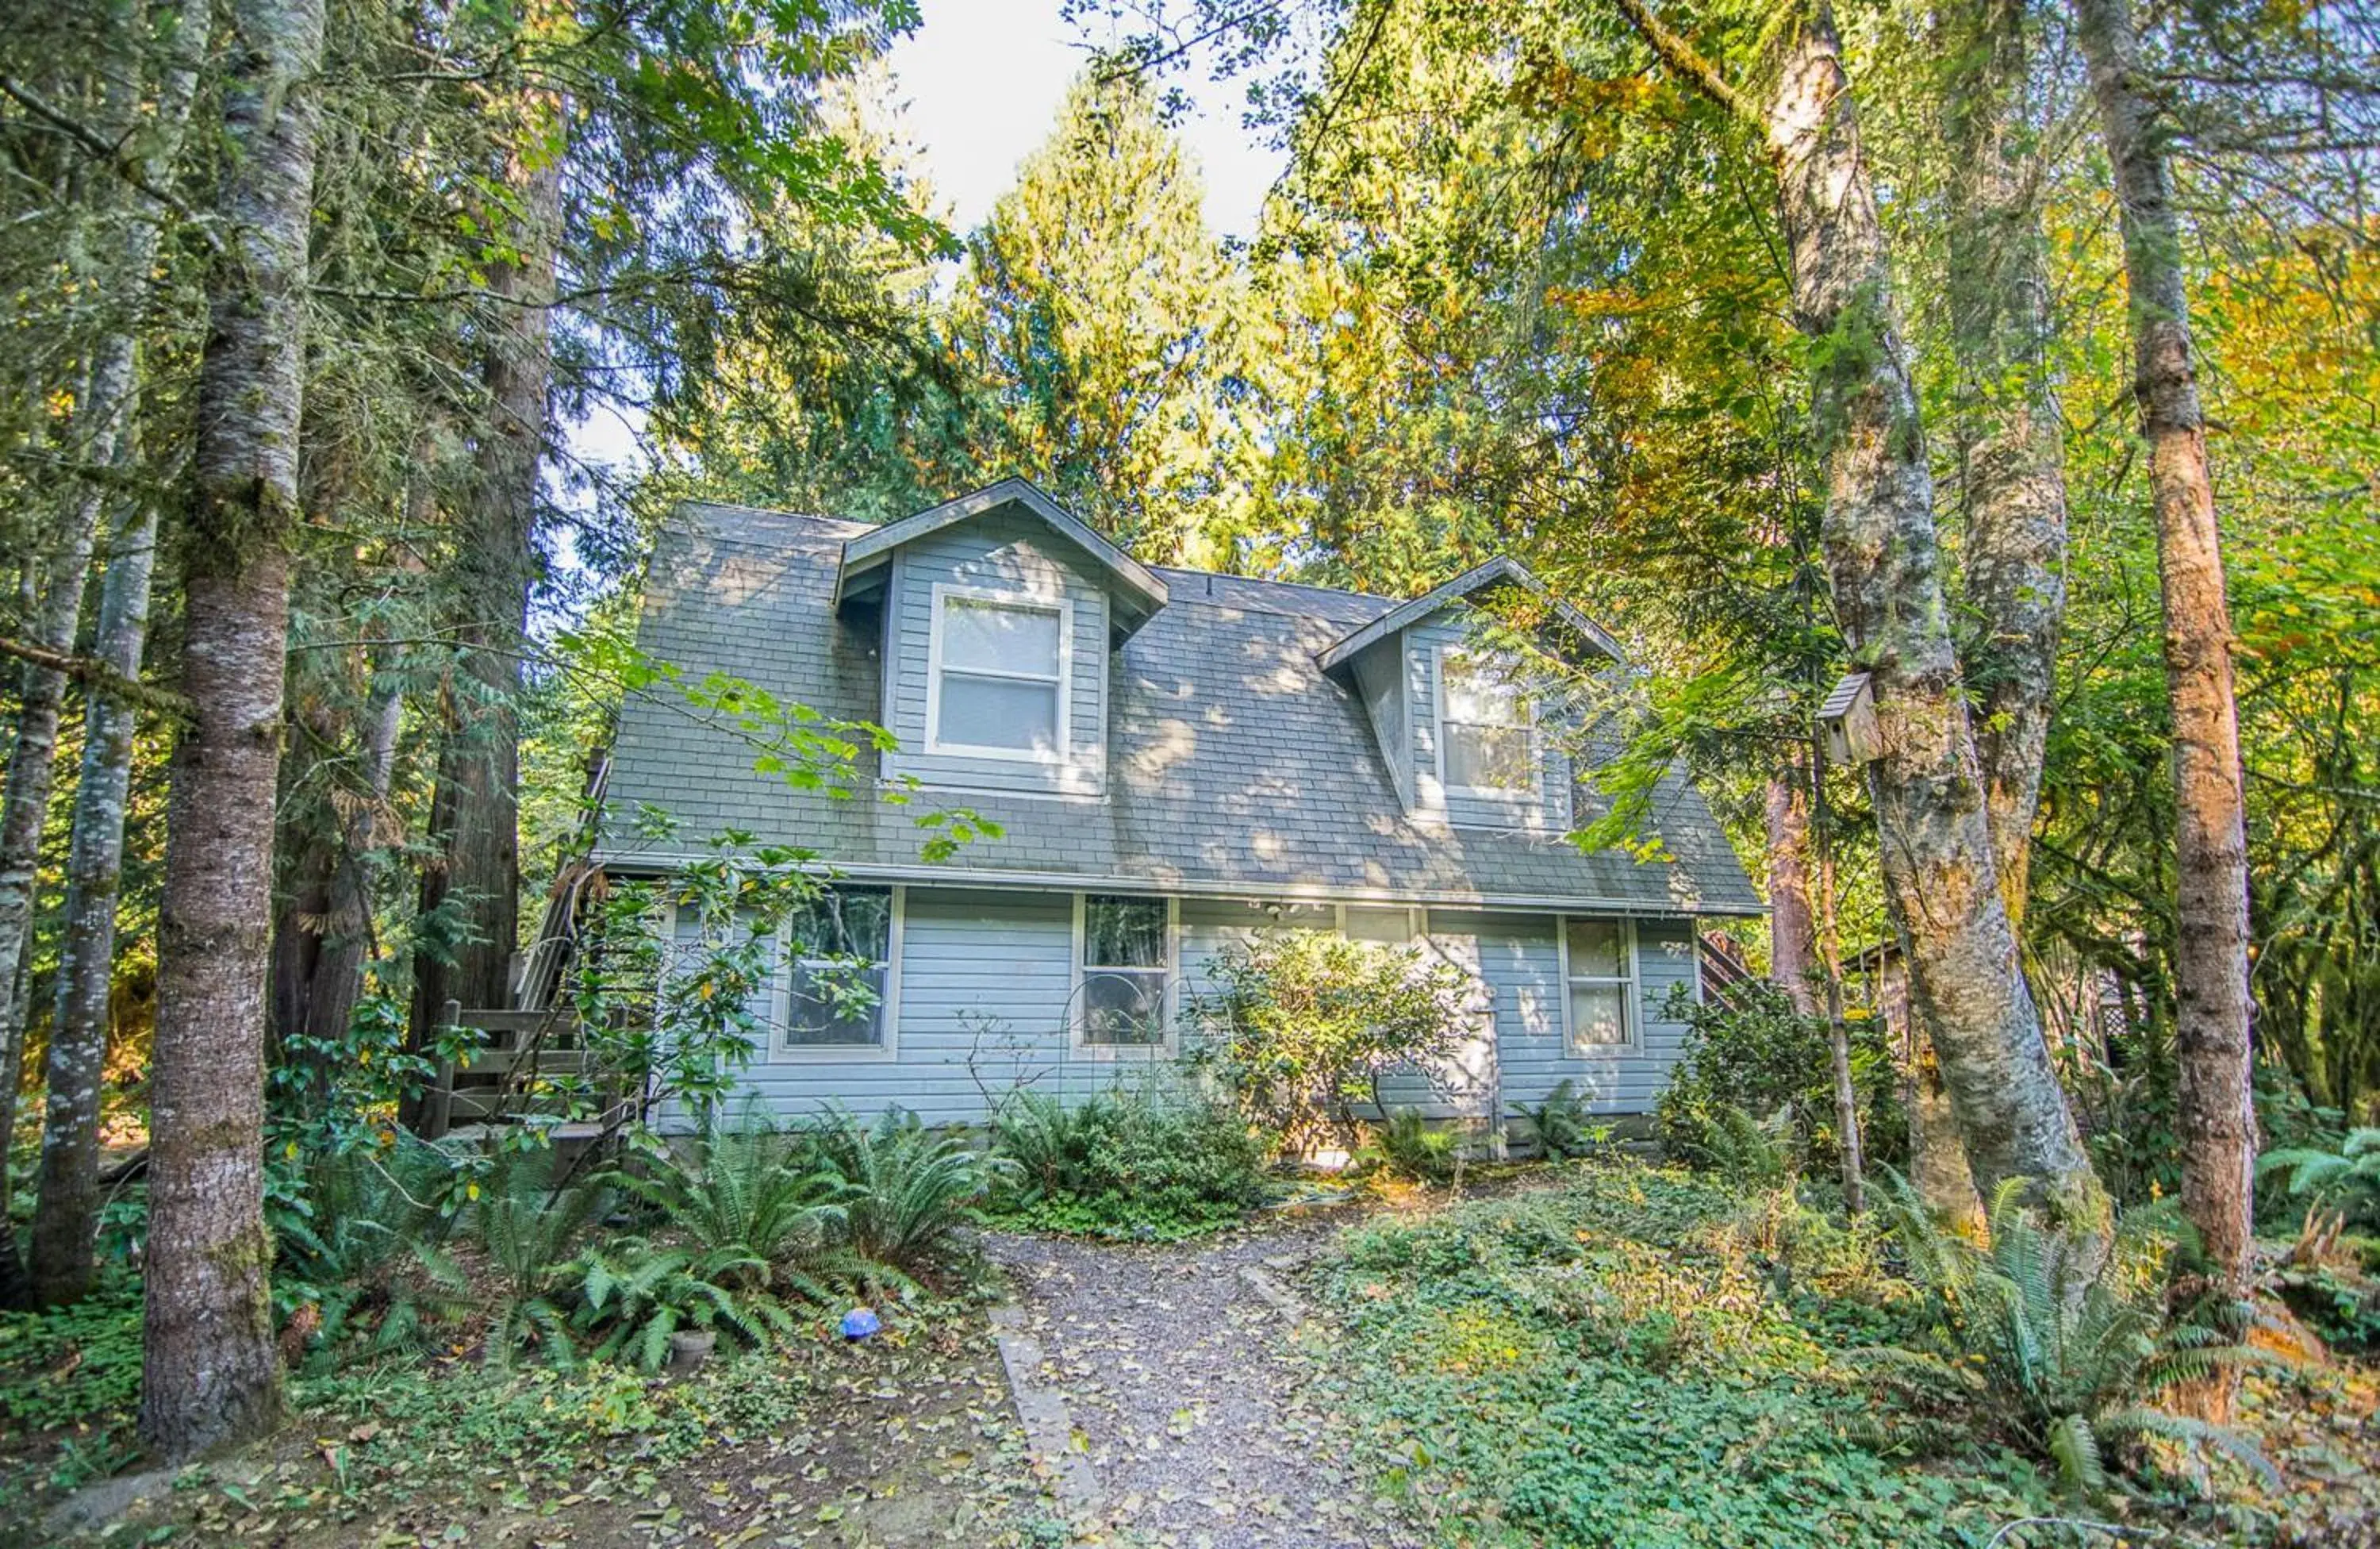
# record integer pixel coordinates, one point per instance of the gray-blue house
(1176, 758)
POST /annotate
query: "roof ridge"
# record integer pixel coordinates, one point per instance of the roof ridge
(740, 508)
(1269, 580)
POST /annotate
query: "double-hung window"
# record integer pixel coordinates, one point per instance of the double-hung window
(1125, 955)
(999, 685)
(840, 947)
(1487, 731)
(1599, 974)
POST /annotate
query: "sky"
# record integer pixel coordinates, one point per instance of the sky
(982, 80)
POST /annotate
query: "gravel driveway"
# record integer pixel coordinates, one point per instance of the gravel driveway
(1205, 1412)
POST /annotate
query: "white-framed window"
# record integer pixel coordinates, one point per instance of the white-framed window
(996, 680)
(1123, 971)
(842, 952)
(1486, 725)
(1600, 1008)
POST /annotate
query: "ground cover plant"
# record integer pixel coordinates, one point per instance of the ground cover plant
(455, 1451)
(1632, 1355)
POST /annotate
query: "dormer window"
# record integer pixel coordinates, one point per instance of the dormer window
(996, 686)
(1487, 726)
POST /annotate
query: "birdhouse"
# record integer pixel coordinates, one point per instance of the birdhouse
(1848, 718)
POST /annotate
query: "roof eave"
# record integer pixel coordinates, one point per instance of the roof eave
(1502, 570)
(1140, 589)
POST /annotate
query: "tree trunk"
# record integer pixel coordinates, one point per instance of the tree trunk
(2212, 1008)
(1878, 531)
(1883, 564)
(2012, 456)
(210, 1372)
(1938, 1163)
(104, 427)
(473, 886)
(1792, 927)
(66, 1217)
(26, 805)
(302, 879)
(1851, 1149)
(346, 930)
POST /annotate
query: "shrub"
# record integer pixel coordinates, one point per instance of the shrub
(1406, 1145)
(1564, 1125)
(907, 1190)
(1128, 1162)
(1307, 1022)
(2056, 1348)
(1754, 1053)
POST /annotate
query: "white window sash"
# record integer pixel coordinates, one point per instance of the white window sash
(938, 671)
(1078, 1030)
(1416, 920)
(1631, 1010)
(887, 1004)
(1524, 707)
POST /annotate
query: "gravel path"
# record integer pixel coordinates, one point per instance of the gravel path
(1197, 1402)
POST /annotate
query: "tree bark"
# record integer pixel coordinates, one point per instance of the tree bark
(1884, 565)
(210, 1372)
(66, 1214)
(1938, 1163)
(1792, 925)
(2212, 1007)
(346, 933)
(473, 886)
(2006, 424)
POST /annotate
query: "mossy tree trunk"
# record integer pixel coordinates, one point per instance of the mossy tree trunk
(210, 1372)
(1882, 561)
(2211, 1010)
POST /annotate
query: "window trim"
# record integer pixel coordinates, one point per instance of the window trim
(1631, 1001)
(1533, 793)
(1080, 972)
(1416, 921)
(887, 1046)
(1063, 607)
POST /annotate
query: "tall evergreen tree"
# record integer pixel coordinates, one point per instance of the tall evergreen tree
(1095, 303)
(210, 1372)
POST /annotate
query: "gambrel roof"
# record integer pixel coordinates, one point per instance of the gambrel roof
(1236, 764)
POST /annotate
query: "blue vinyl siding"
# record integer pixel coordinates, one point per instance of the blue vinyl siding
(985, 977)
(1533, 1044)
(1006, 552)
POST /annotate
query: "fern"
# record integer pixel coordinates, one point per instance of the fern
(2346, 1179)
(746, 1191)
(528, 1229)
(1407, 1146)
(905, 1190)
(2063, 1347)
(637, 1300)
(1563, 1124)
